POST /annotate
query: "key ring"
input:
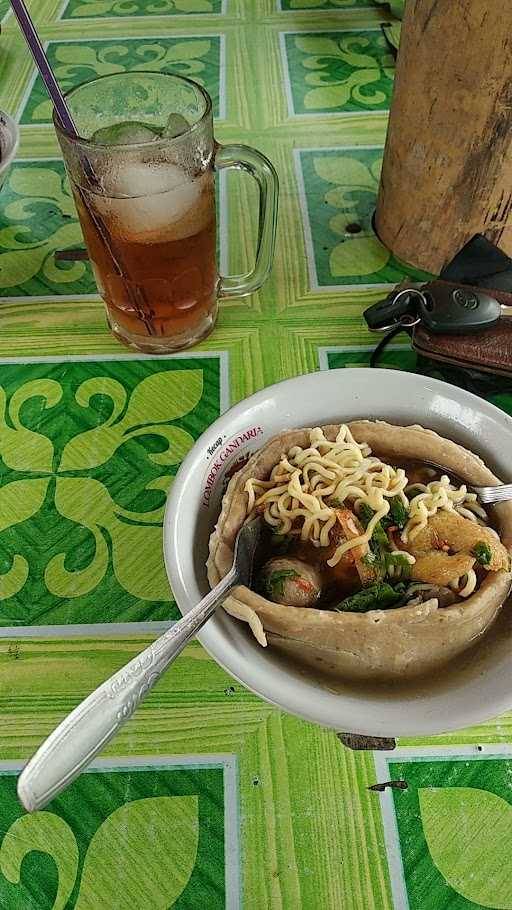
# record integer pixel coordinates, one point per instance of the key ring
(407, 320)
(404, 324)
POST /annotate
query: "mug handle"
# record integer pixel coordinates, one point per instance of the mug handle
(244, 158)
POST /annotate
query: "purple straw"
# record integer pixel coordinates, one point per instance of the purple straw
(64, 115)
(36, 48)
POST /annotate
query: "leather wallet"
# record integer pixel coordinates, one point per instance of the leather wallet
(489, 351)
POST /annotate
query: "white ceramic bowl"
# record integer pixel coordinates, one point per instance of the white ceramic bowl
(193, 507)
(9, 141)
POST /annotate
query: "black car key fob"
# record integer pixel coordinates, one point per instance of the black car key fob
(442, 308)
(456, 310)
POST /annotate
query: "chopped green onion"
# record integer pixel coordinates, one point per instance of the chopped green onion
(482, 552)
(277, 579)
(398, 560)
(398, 512)
(365, 514)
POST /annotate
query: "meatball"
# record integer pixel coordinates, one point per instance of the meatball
(292, 582)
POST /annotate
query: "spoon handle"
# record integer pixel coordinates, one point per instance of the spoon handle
(488, 495)
(93, 723)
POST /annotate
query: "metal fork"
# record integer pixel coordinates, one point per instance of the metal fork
(93, 723)
(489, 495)
(486, 495)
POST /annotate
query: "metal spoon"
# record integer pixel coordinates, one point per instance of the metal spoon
(93, 723)
(485, 495)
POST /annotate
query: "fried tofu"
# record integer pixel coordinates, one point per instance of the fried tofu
(460, 535)
(438, 568)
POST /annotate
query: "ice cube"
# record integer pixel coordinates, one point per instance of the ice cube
(127, 133)
(161, 202)
(133, 177)
(175, 126)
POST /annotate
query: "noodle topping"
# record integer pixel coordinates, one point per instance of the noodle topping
(364, 519)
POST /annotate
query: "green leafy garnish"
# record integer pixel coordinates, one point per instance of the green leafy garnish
(482, 552)
(379, 543)
(375, 597)
(335, 503)
(398, 512)
(379, 557)
(370, 558)
(397, 560)
(365, 514)
(277, 579)
(397, 515)
(379, 537)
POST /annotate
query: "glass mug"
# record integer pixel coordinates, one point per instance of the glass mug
(143, 178)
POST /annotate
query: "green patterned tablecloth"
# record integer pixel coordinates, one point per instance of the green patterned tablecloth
(209, 797)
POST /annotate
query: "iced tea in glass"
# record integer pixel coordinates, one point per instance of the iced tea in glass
(143, 177)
